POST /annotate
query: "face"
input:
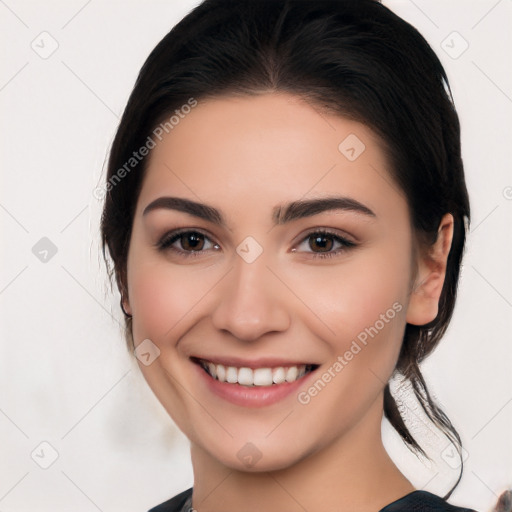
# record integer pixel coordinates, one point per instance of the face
(273, 282)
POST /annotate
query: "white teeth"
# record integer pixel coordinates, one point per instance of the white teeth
(262, 377)
(221, 372)
(257, 377)
(279, 375)
(232, 375)
(291, 374)
(245, 376)
(212, 370)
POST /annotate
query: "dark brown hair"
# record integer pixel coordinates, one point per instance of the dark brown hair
(354, 58)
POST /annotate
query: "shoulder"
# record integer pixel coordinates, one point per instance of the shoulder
(176, 504)
(423, 501)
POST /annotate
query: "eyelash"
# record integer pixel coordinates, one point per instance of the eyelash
(169, 239)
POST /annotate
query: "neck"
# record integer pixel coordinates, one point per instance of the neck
(353, 473)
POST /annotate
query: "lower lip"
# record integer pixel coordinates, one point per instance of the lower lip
(254, 396)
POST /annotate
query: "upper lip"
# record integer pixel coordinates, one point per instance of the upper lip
(262, 362)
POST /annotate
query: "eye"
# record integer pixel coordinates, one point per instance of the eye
(319, 243)
(187, 243)
(324, 244)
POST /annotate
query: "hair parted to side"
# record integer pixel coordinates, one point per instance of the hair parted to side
(353, 58)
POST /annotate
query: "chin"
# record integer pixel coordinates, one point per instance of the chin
(256, 456)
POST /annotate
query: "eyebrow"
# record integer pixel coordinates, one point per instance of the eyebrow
(280, 215)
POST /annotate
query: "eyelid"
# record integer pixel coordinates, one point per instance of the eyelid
(345, 242)
(164, 242)
(335, 233)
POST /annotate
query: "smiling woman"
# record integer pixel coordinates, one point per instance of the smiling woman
(298, 234)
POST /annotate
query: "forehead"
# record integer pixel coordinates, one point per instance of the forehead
(262, 150)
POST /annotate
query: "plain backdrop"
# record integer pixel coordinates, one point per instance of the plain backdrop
(66, 379)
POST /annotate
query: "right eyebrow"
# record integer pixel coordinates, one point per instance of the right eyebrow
(187, 206)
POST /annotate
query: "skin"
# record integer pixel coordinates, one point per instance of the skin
(245, 156)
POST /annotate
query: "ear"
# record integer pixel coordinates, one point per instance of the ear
(125, 305)
(431, 264)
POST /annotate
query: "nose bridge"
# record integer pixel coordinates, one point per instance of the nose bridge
(250, 303)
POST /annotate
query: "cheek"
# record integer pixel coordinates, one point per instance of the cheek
(367, 290)
(366, 308)
(160, 297)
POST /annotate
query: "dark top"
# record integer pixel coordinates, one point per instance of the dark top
(415, 501)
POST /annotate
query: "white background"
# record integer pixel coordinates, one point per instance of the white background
(65, 375)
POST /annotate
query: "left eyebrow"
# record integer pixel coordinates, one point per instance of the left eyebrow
(280, 214)
(307, 208)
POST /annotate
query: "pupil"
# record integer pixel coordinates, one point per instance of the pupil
(323, 243)
(192, 242)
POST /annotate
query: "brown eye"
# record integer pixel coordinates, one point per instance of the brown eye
(321, 243)
(192, 241)
(187, 242)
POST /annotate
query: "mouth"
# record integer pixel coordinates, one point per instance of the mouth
(255, 377)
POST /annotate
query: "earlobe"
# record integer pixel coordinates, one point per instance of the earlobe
(425, 294)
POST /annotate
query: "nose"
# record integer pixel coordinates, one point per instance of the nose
(251, 302)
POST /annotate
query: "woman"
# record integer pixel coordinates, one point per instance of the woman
(286, 214)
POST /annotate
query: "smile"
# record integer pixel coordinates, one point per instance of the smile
(251, 377)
